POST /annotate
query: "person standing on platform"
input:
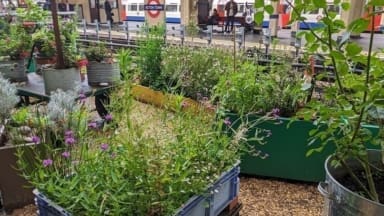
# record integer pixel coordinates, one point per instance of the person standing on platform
(231, 11)
(108, 11)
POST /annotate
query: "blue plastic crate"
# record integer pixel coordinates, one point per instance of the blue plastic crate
(222, 192)
(47, 207)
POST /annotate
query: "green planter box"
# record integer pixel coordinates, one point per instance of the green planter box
(287, 148)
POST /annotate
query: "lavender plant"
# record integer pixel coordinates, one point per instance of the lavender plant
(9, 99)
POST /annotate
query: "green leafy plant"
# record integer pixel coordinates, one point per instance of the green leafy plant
(16, 43)
(356, 99)
(193, 72)
(31, 13)
(260, 89)
(149, 57)
(69, 35)
(192, 29)
(44, 40)
(98, 52)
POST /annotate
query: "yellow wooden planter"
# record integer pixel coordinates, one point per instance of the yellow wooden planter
(168, 101)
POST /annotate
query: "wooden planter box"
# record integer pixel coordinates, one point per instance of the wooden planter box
(164, 100)
(287, 148)
(13, 188)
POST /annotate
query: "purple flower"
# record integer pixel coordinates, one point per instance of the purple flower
(275, 112)
(47, 162)
(227, 122)
(92, 125)
(68, 134)
(104, 146)
(82, 96)
(66, 154)
(108, 117)
(36, 139)
(70, 140)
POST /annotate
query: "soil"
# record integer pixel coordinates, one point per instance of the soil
(378, 178)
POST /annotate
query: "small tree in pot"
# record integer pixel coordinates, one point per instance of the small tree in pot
(354, 181)
(15, 46)
(67, 55)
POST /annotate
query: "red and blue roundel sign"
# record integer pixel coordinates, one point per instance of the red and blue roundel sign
(153, 8)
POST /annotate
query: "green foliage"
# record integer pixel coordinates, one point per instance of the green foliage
(69, 35)
(354, 99)
(125, 59)
(149, 57)
(194, 72)
(44, 40)
(32, 13)
(192, 29)
(15, 43)
(98, 52)
(258, 89)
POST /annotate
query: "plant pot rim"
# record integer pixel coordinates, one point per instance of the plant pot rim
(335, 181)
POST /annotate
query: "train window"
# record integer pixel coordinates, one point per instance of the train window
(241, 8)
(132, 7)
(141, 7)
(171, 7)
(334, 8)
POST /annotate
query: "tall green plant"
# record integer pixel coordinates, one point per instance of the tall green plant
(356, 99)
(149, 56)
(194, 72)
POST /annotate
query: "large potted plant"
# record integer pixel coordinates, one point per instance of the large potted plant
(15, 47)
(255, 90)
(353, 184)
(44, 41)
(68, 55)
(102, 68)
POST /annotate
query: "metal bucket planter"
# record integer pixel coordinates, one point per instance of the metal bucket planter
(64, 79)
(342, 201)
(14, 70)
(102, 74)
(221, 194)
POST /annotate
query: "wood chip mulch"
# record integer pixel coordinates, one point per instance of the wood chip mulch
(272, 197)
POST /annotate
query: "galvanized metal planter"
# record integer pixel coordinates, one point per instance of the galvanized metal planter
(339, 200)
(102, 74)
(64, 79)
(14, 70)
